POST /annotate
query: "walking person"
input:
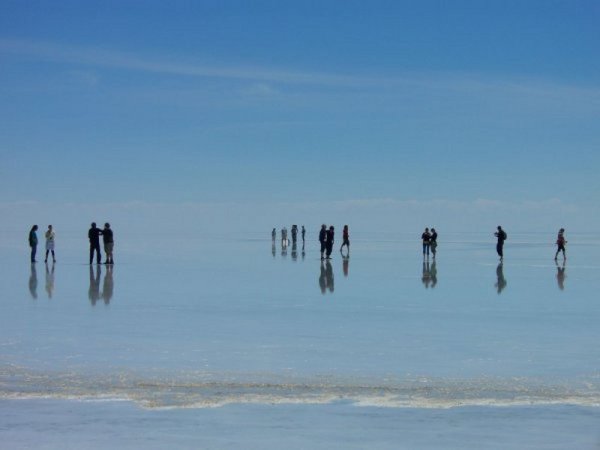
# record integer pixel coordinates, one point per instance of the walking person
(433, 242)
(426, 238)
(345, 239)
(33, 242)
(501, 235)
(330, 240)
(560, 242)
(323, 240)
(50, 244)
(94, 237)
(109, 243)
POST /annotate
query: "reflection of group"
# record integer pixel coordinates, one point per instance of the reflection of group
(326, 277)
(33, 281)
(94, 293)
(429, 277)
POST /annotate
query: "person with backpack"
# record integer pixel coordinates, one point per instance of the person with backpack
(502, 236)
(560, 242)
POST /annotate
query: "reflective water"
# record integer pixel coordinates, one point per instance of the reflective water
(187, 322)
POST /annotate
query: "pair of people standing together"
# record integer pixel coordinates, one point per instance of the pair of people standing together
(107, 236)
(429, 239)
(327, 237)
(33, 243)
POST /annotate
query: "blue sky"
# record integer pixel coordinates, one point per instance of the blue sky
(258, 114)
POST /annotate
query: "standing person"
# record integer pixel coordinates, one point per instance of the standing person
(560, 242)
(345, 238)
(426, 238)
(94, 237)
(330, 240)
(501, 235)
(109, 243)
(273, 235)
(303, 234)
(284, 237)
(50, 244)
(323, 240)
(33, 242)
(294, 233)
(433, 243)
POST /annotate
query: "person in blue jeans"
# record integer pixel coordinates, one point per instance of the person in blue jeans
(426, 238)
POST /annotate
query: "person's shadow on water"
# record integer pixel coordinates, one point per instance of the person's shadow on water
(561, 274)
(500, 280)
(108, 285)
(49, 280)
(33, 282)
(94, 290)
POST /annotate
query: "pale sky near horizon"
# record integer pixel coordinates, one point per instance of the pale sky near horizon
(234, 114)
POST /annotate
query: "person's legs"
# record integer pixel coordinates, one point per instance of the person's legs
(500, 250)
(46, 258)
(33, 252)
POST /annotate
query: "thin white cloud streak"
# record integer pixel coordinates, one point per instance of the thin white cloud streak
(91, 56)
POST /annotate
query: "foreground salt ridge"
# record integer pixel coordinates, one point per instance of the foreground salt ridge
(185, 393)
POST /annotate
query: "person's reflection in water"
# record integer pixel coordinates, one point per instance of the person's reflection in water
(284, 250)
(303, 252)
(33, 282)
(294, 251)
(94, 291)
(433, 273)
(326, 277)
(108, 286)
(273, 249)
(501, 281)
(426, 277)
(345, 264)
(49, 280)
(561, 275)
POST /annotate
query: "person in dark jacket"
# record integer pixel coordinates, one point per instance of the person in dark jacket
(501, 235)
(426, 238)
(433, 242)
(109, 243)
(94, 237)
(323, 240)
(330, 239)
(33, 242)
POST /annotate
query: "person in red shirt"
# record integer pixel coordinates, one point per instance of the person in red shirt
(346, 239)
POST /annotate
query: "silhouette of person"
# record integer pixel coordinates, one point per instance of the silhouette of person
(49, 280)
(560, 243)
(433, 242)
(50, 235)
(273, 249)
(94, 290)
(426, 239)
(94, 237)
(323, 240)
(561, 275)
(33, 282)
(108, 285)
(294, 233)
(330, 240)
(294, 251)
(345, 239)
(501, 235)
(273, 235)
(501, 281)
(33, 242)
(284, 240)
(109, 243)
(303, 235)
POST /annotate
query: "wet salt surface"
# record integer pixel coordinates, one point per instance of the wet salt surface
(187, 325)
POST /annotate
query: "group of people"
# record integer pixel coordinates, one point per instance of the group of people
(94, 234)
(327, 239)
(33, 243)
(429, 239)
(284, 235)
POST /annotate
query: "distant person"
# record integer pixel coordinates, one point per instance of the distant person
(345, 239)
(94, 237)
(273, 234)
(33, 242)
(323, 240)
(330, 240)
(284, 240)
(109, 243)
(303, 234)
(501, 235)
(561, 242)
(50, 235)
(426, 239)
(294, 233)
(433, 242)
